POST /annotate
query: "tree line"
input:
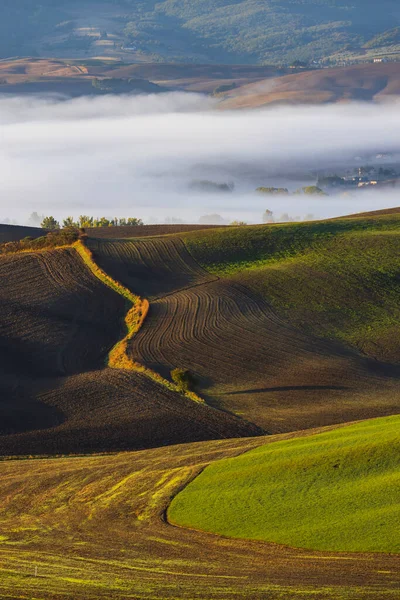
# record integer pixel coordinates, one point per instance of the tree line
(85, 221)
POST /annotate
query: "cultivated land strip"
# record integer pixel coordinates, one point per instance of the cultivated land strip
(95, 528)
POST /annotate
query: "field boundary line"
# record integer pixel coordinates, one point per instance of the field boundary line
(134, 319)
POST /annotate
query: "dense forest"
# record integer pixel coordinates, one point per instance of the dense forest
(246, 31)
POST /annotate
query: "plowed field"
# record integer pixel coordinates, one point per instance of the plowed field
(56, 317)
(118, 410)
(153, 267)
(246, 358)
(95, 528)
(57, 324)
(142, 230)
(13, 233)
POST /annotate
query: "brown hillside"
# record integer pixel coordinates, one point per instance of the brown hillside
(246, 358)
(141, 230)
(13, 233)
(366, 82)
(30, 75)
(57, 324)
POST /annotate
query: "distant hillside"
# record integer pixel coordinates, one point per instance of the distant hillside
(244, 31)
(366, 82)
(86, 77)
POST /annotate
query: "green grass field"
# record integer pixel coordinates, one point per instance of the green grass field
(332, 491)
(337, 279)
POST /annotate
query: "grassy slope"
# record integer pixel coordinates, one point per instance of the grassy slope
(337, 279)
(94, 527)
(333, 491)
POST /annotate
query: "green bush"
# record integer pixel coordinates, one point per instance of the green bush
(182, 378)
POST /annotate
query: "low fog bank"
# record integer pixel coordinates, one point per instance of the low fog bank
(150, 156)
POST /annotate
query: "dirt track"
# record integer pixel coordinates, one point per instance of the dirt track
(246, 358)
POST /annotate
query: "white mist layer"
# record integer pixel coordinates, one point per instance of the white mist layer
(138, 156)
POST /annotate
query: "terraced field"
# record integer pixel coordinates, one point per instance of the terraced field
(246, 358)
(95, 528)
(57, 324)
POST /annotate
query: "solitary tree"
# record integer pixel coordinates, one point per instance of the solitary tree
(50, 223)
(268, 216)
(182, 378)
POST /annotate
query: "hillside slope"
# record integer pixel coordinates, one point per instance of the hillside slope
(95, 528)
(245, 353)
(245, 31)
(366, 82)
(334, 491)
(57, 324)
(13, 233)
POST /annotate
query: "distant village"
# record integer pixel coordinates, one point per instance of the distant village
(382, 173)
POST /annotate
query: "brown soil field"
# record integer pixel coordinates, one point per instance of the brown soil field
(255, 85)
(154, 267)
(112, 409)
(365, 82)
(73, 77)
(56, 317)
(57, 324)
(246, 359)
(142, 230)
(95, 527)
(193, 78)
(13, 233)
(23, 69)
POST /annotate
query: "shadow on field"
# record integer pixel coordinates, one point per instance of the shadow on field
(287, 388)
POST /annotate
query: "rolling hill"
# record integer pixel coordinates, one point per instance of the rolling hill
(284, 327)
(95, 527)
(58, 322)
(266, 318)
(207, 31)
(364, 82)
(13, 233)
(334, 491)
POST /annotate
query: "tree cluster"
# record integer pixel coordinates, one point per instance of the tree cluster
(85, 221)
(309, 190)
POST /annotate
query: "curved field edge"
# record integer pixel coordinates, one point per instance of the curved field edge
(334, 279)
(95, 528)
(118, 357)
(334, 491)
